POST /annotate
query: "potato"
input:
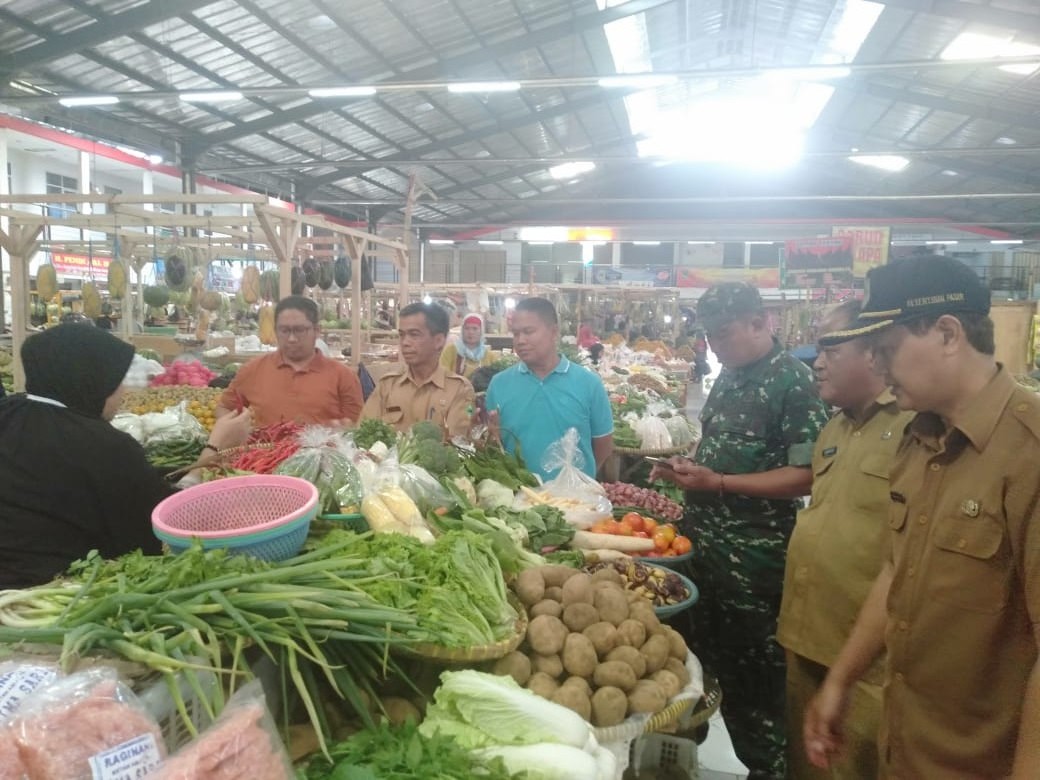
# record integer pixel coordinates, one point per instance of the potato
(516, 665)
(630, 656)
(678, 668)
(580, 683)
(607, 574)
(676, 643)
(616, 674)
(542, 684)
(577, 590)
(530, 587)
(647, 697)
(555, 575)
(631, 632)
(546, 634)
(399, 711)
(546, 607)
(578, 617)
(643, 611)
(655, 651)
(609, 705)
(579, 655)
(603, 635)
(554, 592)
(669, 682)
(550, 664)
(573, 698)
(611, 605)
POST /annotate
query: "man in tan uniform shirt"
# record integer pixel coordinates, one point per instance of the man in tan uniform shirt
(836, 549)
(421, 389)
(957, 602)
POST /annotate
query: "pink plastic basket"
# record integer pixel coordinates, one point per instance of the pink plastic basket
(264, 515)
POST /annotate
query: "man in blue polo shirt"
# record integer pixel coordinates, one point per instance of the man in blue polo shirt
(535, 402)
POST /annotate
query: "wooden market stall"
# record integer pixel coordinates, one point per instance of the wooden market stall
(132, 225)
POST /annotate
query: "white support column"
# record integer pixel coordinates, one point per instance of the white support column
(5, 258)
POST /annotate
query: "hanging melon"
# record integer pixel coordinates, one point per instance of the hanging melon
(116, 280)
(297, 281)
(251, 284)
(210, 300)
(157, 296)
(341, 271)
(310, 272)
(91, 300)
(47, 282)
(176, 270)
(325, 274)
(269, 285)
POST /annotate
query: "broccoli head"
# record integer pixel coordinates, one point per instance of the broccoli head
(437, 458)
(424, 429)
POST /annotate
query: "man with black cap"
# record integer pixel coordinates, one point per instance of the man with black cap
(957, 602)
(752, 465)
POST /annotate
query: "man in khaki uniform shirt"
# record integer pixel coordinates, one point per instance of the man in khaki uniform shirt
(836, 549)
(957, 602)
(421, 389)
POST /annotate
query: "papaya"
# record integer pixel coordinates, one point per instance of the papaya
(325, 274)
(210, 300)
(202, 326)
(266, 319)
(297, 281)
(47, 282)
(91, 300)
(251, 284)
(341, 272)
(269, 285)
(116, 280)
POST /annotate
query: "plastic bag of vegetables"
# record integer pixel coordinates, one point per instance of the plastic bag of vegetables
(338, 482)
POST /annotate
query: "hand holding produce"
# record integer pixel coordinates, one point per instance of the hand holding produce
(231, 430)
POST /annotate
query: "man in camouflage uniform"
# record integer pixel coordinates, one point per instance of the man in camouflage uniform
(759, 424)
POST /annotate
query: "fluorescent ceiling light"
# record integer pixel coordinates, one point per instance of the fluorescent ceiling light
(1007, 241)
(885, 162)
(646, 81)
(540, 243)
(941, 243)
(948, 172)
(571, 169)
(1005, 141)
(332, 92)
(441, 241)
(491, 243)
(89, 100)
(701, 243)
(548, 234)
(222, 96)
(976, 46)
(485, 86)
(759, 243)
(647, 243)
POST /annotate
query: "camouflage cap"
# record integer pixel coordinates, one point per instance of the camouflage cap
(726, 302)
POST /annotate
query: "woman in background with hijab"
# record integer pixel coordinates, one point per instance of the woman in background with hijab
(70, 482)
(468, 352)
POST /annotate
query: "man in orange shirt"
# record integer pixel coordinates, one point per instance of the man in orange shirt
(296, 382)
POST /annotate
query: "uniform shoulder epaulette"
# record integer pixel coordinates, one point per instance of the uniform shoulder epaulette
(1025, 406)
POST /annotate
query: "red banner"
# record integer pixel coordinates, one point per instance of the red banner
(80, 265)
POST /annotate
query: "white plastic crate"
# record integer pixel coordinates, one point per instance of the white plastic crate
(156, 698)
(658, 751)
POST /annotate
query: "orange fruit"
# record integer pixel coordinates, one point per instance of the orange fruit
(681, 545)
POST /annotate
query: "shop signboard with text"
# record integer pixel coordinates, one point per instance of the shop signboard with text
(80, 266)
(869, 247)
(625, 276)
(762, 278)
(818, 262)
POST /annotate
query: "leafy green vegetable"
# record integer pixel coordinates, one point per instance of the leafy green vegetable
(431, 454)
(624, 435)
(481, 710)
(425, 429)
(371, 430)
(546, 526)
(492, 462)
(401, 753)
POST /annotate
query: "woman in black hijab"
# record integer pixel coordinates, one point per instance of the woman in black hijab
(69, 481)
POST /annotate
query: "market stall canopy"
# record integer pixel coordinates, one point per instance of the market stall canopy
(335, 106)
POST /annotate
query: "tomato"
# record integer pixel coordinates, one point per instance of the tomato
(666, 532)
(669, 553)
(623, 528)
(602, 527)
(634, 519)
(681, 545)
(649, 525)
(662, 540)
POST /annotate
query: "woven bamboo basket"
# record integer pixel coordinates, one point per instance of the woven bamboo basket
(477, 653)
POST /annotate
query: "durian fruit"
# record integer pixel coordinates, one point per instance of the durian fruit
(91, 300)
(47, 282)
(251, 284)
(267, 333)
(116, 280)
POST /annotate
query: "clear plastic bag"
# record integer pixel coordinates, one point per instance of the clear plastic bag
(581, 498)
(242, 744)
(19, 680)
(323, 462)
(87, 726)
(420, 485)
